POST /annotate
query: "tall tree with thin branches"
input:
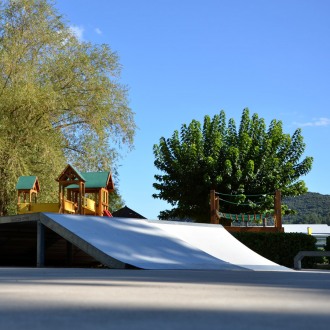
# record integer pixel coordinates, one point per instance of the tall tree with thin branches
(61, 99)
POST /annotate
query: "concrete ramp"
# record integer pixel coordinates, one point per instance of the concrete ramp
(147, 244)
(219, 243)
(141, 243)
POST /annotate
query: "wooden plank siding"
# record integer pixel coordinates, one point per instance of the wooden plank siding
(18, 247)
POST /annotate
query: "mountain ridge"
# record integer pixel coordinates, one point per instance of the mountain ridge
(311, 207)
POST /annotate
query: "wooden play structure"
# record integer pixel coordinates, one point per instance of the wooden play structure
(79, 193)
(248, 222)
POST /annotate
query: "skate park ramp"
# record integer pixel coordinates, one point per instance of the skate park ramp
(138, 243)
(157, 244)
(219, 243)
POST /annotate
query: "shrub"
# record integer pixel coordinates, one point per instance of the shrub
(327, 244)
(280, 248)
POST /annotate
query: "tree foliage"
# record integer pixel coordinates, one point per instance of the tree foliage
(248, 162)
(60, 99)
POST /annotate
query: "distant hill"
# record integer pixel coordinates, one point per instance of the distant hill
(311, 208)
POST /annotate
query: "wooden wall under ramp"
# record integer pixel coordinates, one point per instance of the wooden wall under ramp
(19, 246)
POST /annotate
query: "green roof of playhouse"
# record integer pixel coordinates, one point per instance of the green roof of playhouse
(94, 180)
(27, 182)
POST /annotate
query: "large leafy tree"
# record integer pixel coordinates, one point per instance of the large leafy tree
(60, 99)
(245, 164)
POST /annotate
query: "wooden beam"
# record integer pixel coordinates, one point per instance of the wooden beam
(278, 209)
(254, 229)
(213, 208)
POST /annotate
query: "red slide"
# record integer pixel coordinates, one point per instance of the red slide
(107, 213)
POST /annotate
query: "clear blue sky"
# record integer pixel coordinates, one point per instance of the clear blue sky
(184, 59)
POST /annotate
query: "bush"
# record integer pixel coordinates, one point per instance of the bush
(327, 244)
(280, 248)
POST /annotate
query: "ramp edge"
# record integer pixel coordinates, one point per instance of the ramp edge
(88, 248)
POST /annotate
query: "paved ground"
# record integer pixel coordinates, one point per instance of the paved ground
(139, 299)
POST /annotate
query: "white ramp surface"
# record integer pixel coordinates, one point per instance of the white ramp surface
(141, 243)
(218, 242)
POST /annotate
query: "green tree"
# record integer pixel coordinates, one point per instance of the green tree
(60, 100)
(247, 162)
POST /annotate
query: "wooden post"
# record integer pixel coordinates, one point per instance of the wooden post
(83, 195)
(60, 198)
(216, 208)
(80, 206)
(213, 207)
(278, 209)
(101, 207)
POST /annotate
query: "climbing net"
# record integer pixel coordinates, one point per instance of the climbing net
(240, 219)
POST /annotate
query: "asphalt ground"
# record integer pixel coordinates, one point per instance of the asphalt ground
(48, 298)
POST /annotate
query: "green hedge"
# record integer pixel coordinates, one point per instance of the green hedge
(327, 248)
(327, 245)
(280, 247)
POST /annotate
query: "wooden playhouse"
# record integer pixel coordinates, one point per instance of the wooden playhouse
(79, 193)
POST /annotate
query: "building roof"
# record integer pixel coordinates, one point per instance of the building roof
(126, 212)
(303, 228)
(28, 183)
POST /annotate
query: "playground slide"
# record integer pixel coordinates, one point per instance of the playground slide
(107, 213)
